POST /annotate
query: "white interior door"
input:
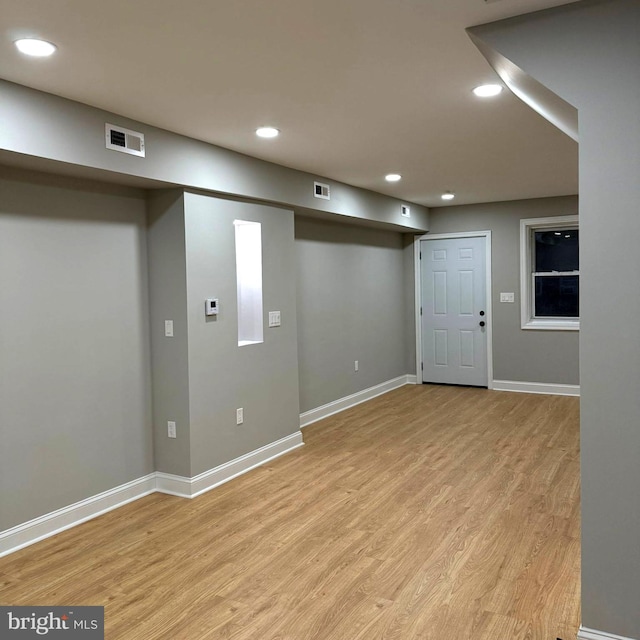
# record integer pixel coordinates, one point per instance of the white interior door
(454, 311)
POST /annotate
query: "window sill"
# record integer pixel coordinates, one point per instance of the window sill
(552, 325)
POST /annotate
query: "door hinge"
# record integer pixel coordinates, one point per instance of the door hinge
(422, 366)
(421, 255)
(420, 310)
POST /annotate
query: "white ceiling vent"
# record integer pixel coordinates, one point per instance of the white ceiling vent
(405, 210)
(124, 140)
(321, 190)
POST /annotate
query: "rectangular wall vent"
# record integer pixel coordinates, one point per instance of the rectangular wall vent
(124, 140)
(405, 211)
(321, 190)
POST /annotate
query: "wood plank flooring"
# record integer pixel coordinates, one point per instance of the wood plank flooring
(431, 513)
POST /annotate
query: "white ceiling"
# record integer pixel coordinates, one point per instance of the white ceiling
(358, 88)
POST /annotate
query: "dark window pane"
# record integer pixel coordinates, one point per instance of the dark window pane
(556, 296)
(556, 250)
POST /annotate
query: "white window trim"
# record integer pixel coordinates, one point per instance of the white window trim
(526, 288)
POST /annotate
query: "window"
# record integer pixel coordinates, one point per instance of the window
(550, 273)
(249, 281)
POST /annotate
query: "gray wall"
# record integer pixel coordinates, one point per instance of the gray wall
(74, 374)
(260, 378)
(518, 355)
(408, 242)
(589, 53)
(351, 306)
(169, 355)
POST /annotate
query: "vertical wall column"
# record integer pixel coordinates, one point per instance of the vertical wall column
(169, 354)
(261, 378)
(201, 374)
(589, 54)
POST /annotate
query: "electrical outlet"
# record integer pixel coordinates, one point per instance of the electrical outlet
(507, 297)
(239, 415)
(171, 429)
(168, 328)
(356, 365)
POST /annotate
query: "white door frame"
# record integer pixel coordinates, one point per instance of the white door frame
(418, 295)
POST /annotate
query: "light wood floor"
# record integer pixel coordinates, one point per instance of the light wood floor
(431, 512)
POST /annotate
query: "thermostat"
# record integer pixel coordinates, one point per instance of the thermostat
(211, 306)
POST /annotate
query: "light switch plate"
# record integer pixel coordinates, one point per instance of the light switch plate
(507, 297)
(274, 318)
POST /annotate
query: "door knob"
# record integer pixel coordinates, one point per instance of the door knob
(482, 323)
(482, 313)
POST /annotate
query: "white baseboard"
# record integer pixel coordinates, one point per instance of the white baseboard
(591, 634)
(326, 410)
(537, 387)
(49, 524)
(192, 487)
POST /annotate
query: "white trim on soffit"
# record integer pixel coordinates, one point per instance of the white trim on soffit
(537, 387)
(591, 634)
(326, 410)
(49, 524)
(418, 294)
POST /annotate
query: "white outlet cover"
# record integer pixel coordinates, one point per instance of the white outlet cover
(168, 328)
(507, 297)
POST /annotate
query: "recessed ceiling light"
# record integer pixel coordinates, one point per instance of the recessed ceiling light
(267, 132)
(35, 47)
(447, 195)
(487, 90)
(393, 177)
